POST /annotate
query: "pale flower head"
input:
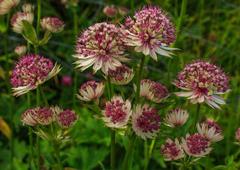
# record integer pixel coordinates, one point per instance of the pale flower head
(172, 150)
(31, 71)
(110, 11)
(196, 145)
(18, 18)
(91, 90)
(20, 50)
(237, 135)
(117, 113)
(153, 91)
(176, 117)
(52, 24)
(150, 31)
(100, 46)
(7, 5)
(28, 8)
(211, 130)
(121, 76)
(145, 121)
(202, 82)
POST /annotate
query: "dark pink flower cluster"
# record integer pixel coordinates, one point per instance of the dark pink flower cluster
(52, 24)
(212, 124)
(172, 150)
(66, 118)
(30, 70)
(121, 75)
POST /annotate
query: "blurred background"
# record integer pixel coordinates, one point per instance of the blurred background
(206, 30)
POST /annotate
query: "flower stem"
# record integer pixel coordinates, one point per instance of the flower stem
(197, 114)
(38, 139)
(113, 142)
(149, 154)
(38, 15)
(139, 78)
(57, 152)
(127, 161)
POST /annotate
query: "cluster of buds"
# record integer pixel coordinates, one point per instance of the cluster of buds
(7, 5)
(202, 82)
(18, 18)
(52, 24)
(176, 118)
(112, 11)
(20, 50)
(31, 71)
(153, 91)
(121, 75)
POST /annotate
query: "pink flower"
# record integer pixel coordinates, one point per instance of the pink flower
(66, 118)
(121, 76)
(211, 130)
(117, 113)
(153, 91)
(66, 80)
(7, 5)
(52, 24)
(176, 117)
(38, 116)
(31, 71)
(172, 150)
(202, 82)
(20, 50)
(237, 135)
(196, 145)
(100, 46)
(110, 11)
(150, 32)
(145, 121)
(18, 18)
(91, 90)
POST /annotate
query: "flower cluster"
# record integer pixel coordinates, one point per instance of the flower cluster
(18, 18)
(30, 71)
(112, 11)
(100, 46)
(121, 75)
(176, 117)
(202, 82)
(7, 5)
(153, 91)
(20, 50)
(52, 24)
(172, 150)
(150, 32)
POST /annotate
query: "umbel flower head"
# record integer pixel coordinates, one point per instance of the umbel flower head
(52, 24)
(18, 18)
(91, 90)
(211, 130)
(30, 71)
(121, 75)
(110, 11)
(100, 46)
(145, 121)
(7, 5)
(202, 82)
(196, 145)
(20, 50)
(38, 116)
(117, 113)
(176, 117)
(28, 8)
(153, 91)
(172, 150)
(150, 32)
(65, 118)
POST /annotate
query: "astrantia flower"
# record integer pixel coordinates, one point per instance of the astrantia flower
(28, 7)
(31, 71)
(196, 145)
(172, 150)
(153, 91)
(176, 117)
(150, 32)
(66, 118)
(237, 135)
(110, 11)
(52, 24)
(121, 76)
(66, 80)
(100, 46)
(117, 112)
(6, 5)
(203, 82)
(145, 121)
(38, 116)
(18, 18)
(20, 50)
(211, 130)
(91, 90)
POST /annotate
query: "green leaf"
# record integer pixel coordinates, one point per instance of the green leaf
(46, 38)
(29, 33)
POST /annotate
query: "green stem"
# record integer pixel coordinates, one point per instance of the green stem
(38, 139)
(139, 78)
(149, 154)
(57, 153)
(113, 143)
(126, 161)
(197, 114)
(38, 15)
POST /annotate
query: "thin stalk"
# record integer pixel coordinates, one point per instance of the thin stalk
(38, 139)
(38, 15)
(113, 143)
(126, 161)
(57, 152)
(149, 154)
(197, 114)
(139, 78)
